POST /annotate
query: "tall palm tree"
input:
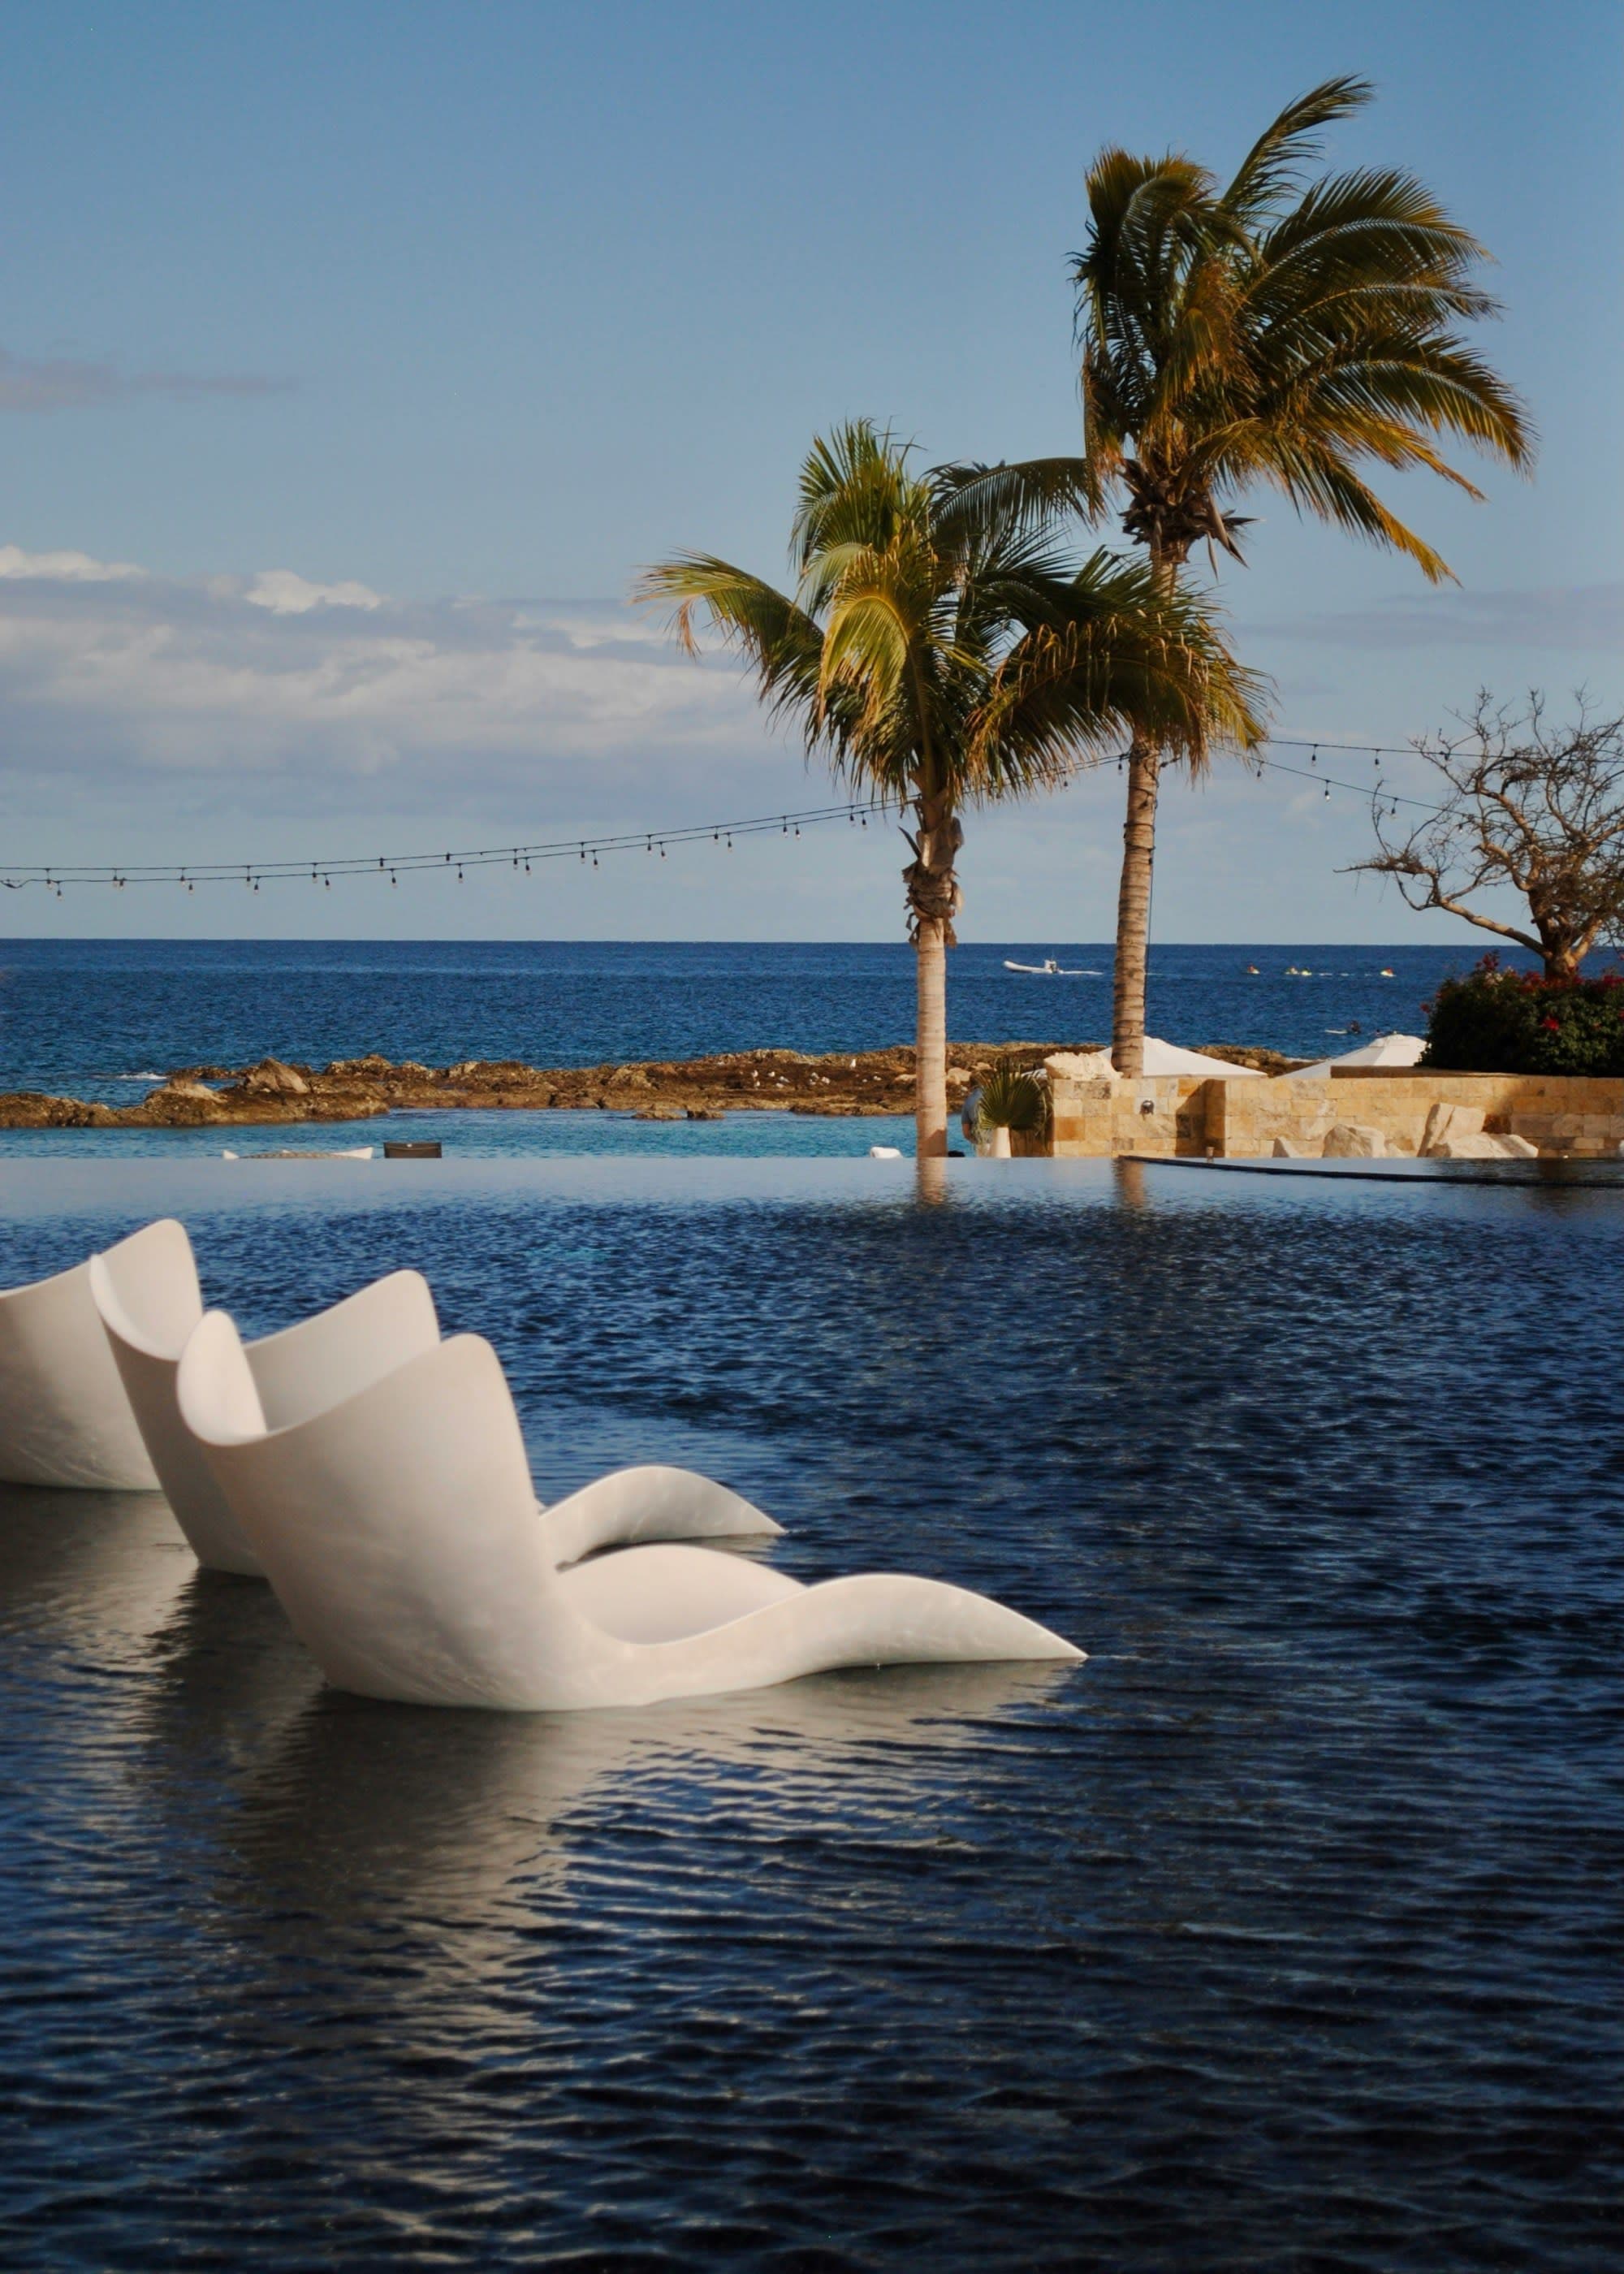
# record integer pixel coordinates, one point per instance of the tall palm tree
(1283, 332)
(939, 653)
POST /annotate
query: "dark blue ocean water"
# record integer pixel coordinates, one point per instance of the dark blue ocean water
(1282, 1935)
(83, 1016)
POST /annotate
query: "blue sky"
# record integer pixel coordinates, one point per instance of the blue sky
(353, 357)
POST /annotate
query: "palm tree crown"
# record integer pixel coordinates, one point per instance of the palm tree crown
(1280, 331)
(939, 651)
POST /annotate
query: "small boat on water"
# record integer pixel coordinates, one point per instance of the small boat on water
(1049, 968)
(1253, 971)
(1387, 972)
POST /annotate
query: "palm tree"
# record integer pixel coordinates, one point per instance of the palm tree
(939, 653)
(1283, 332)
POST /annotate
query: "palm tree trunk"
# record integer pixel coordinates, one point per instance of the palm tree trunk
(1138, 851)
(932, 889)
(930, 1042)
(1138, 848)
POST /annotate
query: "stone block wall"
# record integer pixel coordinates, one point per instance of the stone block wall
(1096, 1115)
(1569, 1114)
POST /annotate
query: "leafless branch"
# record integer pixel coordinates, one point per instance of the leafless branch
(1527, 808)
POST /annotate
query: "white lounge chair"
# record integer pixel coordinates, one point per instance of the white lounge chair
(400, 1532)
(64, 1418)
(146, 1290)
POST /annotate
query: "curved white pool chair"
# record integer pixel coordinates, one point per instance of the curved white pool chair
(64, 1418)
(401, 1534)
(146, 1292)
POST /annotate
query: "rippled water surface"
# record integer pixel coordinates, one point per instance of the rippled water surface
(1283, 1934)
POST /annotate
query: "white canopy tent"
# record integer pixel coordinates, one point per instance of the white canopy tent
(1385, 1050)
(1160, 1057)
(1167, 1058)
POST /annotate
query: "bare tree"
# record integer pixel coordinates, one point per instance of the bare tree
(1534, 810)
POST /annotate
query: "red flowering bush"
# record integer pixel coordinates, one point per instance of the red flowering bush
(1496, 1021)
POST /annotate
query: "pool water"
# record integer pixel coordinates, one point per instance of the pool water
(478, 1134)
(1281, 1934)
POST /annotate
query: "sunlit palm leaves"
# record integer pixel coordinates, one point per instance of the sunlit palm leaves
(942, 647)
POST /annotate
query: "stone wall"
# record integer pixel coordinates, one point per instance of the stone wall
(1559, 1113)
(1096, 1115)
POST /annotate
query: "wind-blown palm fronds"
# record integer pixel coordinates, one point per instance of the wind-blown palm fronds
(1288, 332)
(942, 654)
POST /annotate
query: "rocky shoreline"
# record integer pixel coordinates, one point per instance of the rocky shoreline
(276, 1091)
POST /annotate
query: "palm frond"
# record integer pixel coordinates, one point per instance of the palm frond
(981, 504)
(1125, 655)
(1274, 165)
(1283, 332)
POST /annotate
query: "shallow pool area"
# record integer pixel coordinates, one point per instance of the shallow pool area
(475, 1134)
(1283, 1933)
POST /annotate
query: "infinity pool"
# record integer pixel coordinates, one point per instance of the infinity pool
(1283, 1934)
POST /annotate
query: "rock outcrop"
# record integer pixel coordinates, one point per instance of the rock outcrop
(1354, 1140)
(272, 1079)
(275, 1091)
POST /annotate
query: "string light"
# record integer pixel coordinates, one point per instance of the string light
(854, 812)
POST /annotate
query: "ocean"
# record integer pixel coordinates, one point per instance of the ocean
(99, 1018)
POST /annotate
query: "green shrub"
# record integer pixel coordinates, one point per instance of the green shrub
(1012, 1101)
(1496, 1021)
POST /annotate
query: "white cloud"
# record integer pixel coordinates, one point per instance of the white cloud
(287, 694)
(62, 567)
(286, 594)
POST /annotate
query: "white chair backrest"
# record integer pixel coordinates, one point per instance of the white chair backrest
(320, 1362)
(146, 1288)
(64, 1418)
(399, 1528)
(146, 1293)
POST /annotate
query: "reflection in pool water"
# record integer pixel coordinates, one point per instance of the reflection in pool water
(1282, 1932)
